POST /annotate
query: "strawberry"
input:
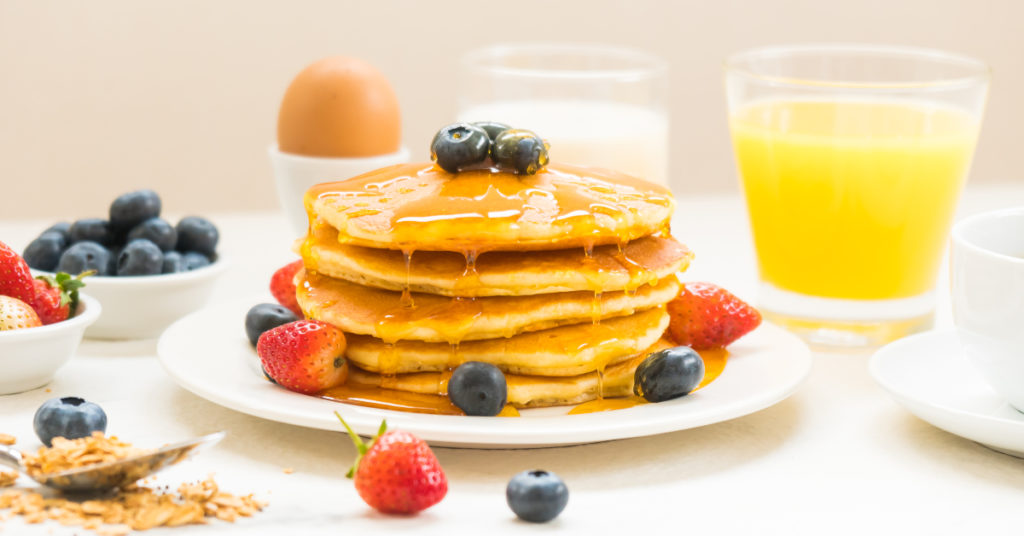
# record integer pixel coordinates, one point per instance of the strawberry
(706, 316)
(282, 286)
(396, 473)
(305, 356)
(56, 297)
(16, 314)
(15, 277)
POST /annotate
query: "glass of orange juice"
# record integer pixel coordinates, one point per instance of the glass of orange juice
(852, 158)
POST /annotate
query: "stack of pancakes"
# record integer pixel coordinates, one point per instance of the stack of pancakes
(560, 279)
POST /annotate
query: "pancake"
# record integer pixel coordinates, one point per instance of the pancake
(563, 351)
(499, 273)
(527, 391)
(383, 313)
(419, 206)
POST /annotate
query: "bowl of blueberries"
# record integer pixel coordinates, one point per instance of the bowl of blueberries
(145, 272)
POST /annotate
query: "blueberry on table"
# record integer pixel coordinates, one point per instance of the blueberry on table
(133, 208)
(84, 256)
(458, 146)
(174, 262)
(197, 234)
(668, 374)
(44, 252)
(193, 260)
(93, 230)
(537, 496)
(492, 128)
(478, 388)
(265, 317)
(520, 150)
(62, 227)
(69, 417)
(140, 257)
(157, 231)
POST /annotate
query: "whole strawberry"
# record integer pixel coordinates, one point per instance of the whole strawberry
(282, 286)
(706, 316)
(396, 473)
(15, 277)
(305, 356)
(16, 314)
(56, 297)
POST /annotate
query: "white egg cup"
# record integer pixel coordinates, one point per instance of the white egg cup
(987, 271)
(294, 174)
(30, 357)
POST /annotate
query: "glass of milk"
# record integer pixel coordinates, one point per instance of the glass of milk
(596, 105)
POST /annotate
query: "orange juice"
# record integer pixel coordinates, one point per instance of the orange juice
(851, 199)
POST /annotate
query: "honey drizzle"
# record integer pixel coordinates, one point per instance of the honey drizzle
(407, 301)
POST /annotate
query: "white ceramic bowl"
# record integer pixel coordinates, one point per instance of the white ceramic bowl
(30, 357)
(294, 174)
(141, 307)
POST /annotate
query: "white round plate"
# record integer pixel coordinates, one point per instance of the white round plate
(203, 354)
(929, 375)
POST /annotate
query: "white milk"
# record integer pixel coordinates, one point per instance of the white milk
(624, 137)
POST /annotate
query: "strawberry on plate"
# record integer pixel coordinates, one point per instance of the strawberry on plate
(706, 316)
(305, 356)
(16, 314)
(396, 473)
(56, 297)
(282, 286)
(15, 277)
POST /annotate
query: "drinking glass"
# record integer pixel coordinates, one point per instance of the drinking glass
(852, 158)
(596, 105)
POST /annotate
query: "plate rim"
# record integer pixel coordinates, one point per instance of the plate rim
(516, 433)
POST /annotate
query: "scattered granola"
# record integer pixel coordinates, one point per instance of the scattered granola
(68, 454)
(135, 508)
(7, 439)
(7, 479)
(288, 470)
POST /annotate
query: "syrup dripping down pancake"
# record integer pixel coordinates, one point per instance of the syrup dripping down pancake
(499, 273)
(420, 206)
(562, 351)
(386, 315)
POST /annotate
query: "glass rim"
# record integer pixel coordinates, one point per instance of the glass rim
(977, 71)
(648, 65)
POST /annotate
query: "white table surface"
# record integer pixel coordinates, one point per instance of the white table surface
(839, 456)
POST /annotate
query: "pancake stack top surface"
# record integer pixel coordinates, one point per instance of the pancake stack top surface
(559, 278)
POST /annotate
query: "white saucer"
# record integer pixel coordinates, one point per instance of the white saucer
(208, 354)
(929, 375)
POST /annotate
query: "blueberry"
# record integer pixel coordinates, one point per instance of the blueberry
(43, 253)
(478, 388)
(173, 263)
(492, 128)
(537, 496)
(92, 229)
(668, 374)
(197, 234)
(193, 260)
(69, 417)
(140, 257)
(264, 317)
(133, 208)
(458, 146)
(63, 227)
(85, 256)
(520, 150)
(156, 231)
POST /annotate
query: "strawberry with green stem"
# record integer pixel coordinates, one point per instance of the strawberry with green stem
(56, 296)
(396, 472)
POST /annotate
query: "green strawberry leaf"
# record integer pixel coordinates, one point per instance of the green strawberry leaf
(361, 447)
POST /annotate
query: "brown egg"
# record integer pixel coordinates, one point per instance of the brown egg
(342, 107)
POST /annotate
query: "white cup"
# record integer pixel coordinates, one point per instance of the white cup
(294, 174)
(987, 270)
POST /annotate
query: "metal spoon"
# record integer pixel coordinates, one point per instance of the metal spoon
(109, 475)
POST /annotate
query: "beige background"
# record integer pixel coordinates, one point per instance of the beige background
(104, 96)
